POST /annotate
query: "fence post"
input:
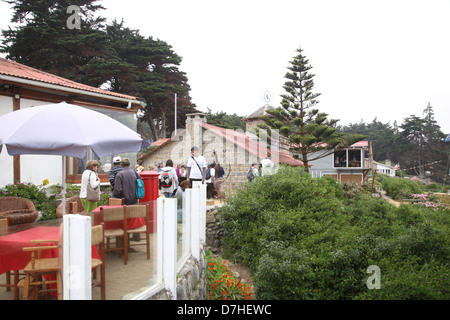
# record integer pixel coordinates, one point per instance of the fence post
(77, 257)
(186, 222)
(202, 213)
(195, 221)
(170, 245)
(160, 239)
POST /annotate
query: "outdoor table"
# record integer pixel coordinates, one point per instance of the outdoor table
(133, 223)
(13, 258)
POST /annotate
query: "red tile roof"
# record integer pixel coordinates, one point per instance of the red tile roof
(15, 69)
(258, 149)
(243, 141)
(362, 143)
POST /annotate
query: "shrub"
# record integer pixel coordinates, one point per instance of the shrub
(221, 283)
(37, 194)
(398, 188)
(44, 197)
(306, 238)
(249, 213)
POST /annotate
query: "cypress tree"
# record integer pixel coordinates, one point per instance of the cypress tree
(45, 38)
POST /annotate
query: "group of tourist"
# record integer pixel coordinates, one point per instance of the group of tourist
(265, 167)
(121, 177)
(172, 180)
(196, 170)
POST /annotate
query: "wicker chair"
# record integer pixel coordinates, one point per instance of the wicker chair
(19, 210)
(73, 205)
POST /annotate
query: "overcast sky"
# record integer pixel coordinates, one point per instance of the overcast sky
(379, 58)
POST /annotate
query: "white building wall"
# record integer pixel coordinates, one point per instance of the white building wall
(33, 168)
(6, 161)
(381, 168)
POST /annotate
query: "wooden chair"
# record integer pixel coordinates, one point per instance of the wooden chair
(139, 211)
(116, 201)
(120, 234)
(4, 227)
(98, 239)
(73, 205)
(36, 270)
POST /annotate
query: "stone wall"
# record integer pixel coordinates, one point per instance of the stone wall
(214, 230)
(174, 150)
(191, 281)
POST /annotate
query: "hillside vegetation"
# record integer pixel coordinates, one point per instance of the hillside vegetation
(309, 238)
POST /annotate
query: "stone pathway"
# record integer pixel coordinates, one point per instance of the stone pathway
(389, 199)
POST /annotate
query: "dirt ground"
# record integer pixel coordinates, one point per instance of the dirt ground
(241, 272)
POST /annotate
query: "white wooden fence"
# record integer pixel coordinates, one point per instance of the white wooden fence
(77, 245)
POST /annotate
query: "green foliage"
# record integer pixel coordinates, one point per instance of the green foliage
(37, 194)
(42, 39)
(417, 144)
(399, 188)
(221, 119)
(310, 238)
(221, 283)
(112, 56)
(45, 197)
(307, 131)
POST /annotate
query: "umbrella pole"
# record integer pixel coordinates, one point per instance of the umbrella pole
(63, 189)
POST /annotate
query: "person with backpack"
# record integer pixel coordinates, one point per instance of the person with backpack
(125, 183)
(114, 171)
(252, 172)
(168, 179)
(210, 177)
(221, 172)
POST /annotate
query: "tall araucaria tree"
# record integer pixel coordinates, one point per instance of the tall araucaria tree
(303, 130)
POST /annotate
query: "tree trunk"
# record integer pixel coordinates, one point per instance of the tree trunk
(155, 133)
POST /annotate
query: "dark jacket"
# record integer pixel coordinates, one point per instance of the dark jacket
(125, 186)
(112, 175)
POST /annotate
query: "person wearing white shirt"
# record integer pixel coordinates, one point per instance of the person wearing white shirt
(89, 176)
(266, 167)
(196, 167)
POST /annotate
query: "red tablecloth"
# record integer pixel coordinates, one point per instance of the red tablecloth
(133, 223)
(12, 257)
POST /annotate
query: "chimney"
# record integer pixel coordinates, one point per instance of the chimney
(193, 126)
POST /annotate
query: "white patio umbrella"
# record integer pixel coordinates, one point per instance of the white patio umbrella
(67, 130)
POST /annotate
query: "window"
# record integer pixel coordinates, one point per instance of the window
(340, 158)
(354, 157)
(348, 158)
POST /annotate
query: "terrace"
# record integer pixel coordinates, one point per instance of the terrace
(177, 231)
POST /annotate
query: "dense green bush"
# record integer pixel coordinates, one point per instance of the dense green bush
(306, 238)
(399, 188)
